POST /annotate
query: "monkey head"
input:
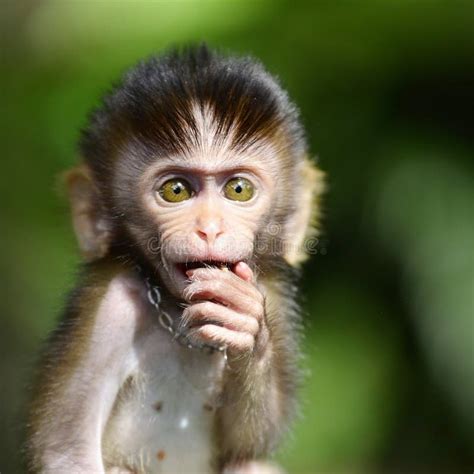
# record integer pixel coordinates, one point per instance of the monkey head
(194, 159)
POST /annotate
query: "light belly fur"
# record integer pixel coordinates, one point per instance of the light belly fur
(163, 418)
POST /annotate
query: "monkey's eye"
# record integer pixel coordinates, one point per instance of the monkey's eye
(175, 190)
(239, 189)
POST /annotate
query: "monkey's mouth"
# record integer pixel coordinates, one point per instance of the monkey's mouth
(183, 267)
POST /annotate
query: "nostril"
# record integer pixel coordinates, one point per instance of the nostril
(201, 234)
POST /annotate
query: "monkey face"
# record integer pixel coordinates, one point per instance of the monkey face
(204, 210)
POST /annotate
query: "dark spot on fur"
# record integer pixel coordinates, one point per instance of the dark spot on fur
(160, 455)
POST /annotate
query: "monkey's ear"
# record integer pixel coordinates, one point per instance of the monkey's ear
(88, 220)
(302, 224)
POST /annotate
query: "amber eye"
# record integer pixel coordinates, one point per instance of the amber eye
(239, 189)
(175, 190)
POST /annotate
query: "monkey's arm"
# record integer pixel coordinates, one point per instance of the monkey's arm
(86, 363)
(259, 398)
(261, 338)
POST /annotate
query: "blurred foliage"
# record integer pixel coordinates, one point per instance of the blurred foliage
(386, 91)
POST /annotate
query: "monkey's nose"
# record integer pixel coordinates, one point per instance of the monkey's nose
(209, 232)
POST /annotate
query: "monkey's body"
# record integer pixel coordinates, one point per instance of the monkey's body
(195, 167)
(138, 401)
(165, 419)
(156, 413)
(164, 415)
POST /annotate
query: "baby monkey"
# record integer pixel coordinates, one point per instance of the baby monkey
(178, 348)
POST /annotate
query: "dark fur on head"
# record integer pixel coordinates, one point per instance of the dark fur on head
(153, 106)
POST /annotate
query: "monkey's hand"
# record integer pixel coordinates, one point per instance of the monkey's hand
(226, 309)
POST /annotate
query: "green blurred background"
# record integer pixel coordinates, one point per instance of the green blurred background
(386, 91)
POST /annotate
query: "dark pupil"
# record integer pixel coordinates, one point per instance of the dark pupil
(238, 188)
(177, 188)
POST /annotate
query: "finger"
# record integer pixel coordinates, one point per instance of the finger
(242, 270)
(244, 274)
(247, 288)
(234, 341)
(248, 301)
(207, 312)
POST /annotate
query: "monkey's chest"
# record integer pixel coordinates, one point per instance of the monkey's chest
(163, 419)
